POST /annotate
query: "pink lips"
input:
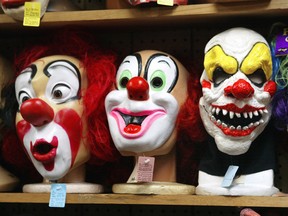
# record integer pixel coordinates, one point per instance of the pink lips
(130, 130)
(45, 152)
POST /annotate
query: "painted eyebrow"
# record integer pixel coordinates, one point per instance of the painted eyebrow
(139, 61)
(160, 61)
(75, 70)
(30, 69)
(20, 92)
(127, 61)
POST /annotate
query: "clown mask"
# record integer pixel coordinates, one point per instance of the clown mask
(15, 8)
(142, 110)
(237, 90)
(49, 121)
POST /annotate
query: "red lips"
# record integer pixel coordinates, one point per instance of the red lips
(45, 152)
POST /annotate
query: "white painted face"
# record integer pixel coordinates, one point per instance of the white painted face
(49, 121)
(237, 90)
(142, 111)
(15, 8)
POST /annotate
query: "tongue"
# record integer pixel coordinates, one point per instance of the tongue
(49, 166)
(132, 128)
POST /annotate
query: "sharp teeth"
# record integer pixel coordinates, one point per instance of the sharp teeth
(218, 122)
(245, 114)
(231, 114)
(256, 123)
(260, 111)
(210, 109)
(213, 110)
(232, 128)
(213, 119)
(217, 110)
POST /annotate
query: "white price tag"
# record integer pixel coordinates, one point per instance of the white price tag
(229, 176)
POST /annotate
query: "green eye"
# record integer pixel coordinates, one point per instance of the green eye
(123, 79)
(158, 80)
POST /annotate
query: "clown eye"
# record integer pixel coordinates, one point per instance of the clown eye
(161, 72)
(23, 96)
(123, 82)
(61, 92)
(258, 78)
(57, 94)
(219, 75)
(158, 80)
(25, 99)
(125, 76)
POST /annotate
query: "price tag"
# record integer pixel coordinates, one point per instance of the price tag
(57, 195)
(165, 2)
(229, 176)
(145, 169)
(32, 14)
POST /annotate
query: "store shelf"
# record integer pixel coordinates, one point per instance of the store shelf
(156, 15)
(126, 199)
(205, 14)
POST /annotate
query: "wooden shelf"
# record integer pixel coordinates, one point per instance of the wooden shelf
(125, 199)
(179, 15)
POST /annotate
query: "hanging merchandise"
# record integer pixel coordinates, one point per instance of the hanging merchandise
(235, 109)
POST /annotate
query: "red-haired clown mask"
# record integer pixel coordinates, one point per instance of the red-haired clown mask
(142, 110)
(49, 120)
(237, 90)
(15, 8)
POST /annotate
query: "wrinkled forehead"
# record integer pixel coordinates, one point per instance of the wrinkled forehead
(236, 42)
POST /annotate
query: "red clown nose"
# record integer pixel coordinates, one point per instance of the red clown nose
(138, 89)
(37, 112)
(240, 89)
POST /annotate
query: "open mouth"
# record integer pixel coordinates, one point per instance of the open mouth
(134, 125)
(45, 152)
(236, 121)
